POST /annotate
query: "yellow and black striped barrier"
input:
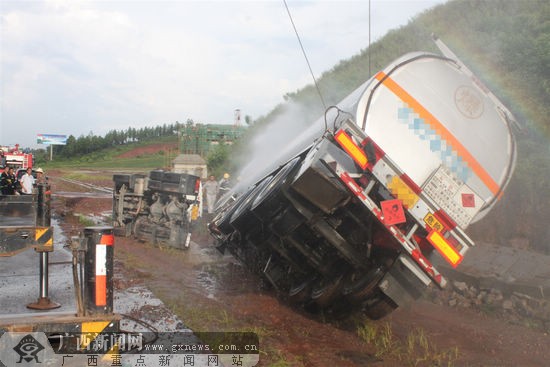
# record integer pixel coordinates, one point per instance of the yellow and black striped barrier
(43, 238)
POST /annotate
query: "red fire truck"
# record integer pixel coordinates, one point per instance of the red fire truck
(16, 158)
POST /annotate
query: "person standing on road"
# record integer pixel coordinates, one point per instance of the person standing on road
(27, 182)
(211, 191)
(7, 182)
(40, 176)
(225, 184)
(3, 178)
(13, 182)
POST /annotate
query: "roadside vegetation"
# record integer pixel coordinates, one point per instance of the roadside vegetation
(111, 158)
(417, 349)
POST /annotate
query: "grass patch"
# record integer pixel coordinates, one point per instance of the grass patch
(202, 317)
(109, 158)
(415, 351)
(88, 177)
(90, 162)
(85, 221)
(275, 358)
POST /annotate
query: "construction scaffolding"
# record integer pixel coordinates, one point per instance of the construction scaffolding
(200, 138)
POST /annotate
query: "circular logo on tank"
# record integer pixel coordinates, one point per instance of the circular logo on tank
(469, 102)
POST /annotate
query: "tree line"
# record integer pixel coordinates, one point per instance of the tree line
(86, 144)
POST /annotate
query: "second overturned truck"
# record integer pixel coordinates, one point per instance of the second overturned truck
(350, 213)
(158, 208)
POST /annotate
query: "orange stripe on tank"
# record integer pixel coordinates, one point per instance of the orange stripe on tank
(441, 130)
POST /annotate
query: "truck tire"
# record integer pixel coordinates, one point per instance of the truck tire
(121, 179)
(221, 220)
(358, 290)
(300, 292)
(225, 201)
(326, 291)
(171, 177)
(156, 175)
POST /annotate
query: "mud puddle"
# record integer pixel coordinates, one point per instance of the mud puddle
(205, 271)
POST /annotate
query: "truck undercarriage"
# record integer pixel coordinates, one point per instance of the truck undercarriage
(312, 239)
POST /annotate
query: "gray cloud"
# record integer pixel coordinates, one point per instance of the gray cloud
(71, 67)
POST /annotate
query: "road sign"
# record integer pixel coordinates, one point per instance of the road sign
(49, 139)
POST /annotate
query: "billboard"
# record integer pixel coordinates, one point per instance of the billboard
(50, 139)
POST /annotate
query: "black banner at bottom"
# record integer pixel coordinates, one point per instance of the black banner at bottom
(193, 349)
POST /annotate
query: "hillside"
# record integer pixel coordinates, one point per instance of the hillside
(507, 44)
(148, 150)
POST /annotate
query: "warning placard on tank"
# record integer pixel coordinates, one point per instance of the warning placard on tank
(453, 196)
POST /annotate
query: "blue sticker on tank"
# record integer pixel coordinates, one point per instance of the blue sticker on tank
(449, 157)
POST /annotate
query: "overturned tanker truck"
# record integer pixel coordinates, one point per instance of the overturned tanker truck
(159, 207)
(351, 213)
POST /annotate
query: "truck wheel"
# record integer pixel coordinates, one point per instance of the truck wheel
(326, 291)
(358, 289)
(224, 201)
(221, 220)
(270, 200)
(300, 292)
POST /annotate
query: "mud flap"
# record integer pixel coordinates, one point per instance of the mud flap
(404, 282)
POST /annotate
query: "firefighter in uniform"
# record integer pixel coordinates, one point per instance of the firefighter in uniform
(7, 182)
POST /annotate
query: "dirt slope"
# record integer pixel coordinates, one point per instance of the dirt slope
(210, 292)
(149, 149)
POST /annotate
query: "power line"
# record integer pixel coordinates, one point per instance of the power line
(369, 40)
(305, 56)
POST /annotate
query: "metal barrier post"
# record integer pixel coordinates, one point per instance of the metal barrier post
(43, 220)
(98, 270)
(43, 208)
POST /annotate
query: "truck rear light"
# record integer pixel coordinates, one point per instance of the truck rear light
(374, 152)
(198, 185)
(445, 248)
(347, 143)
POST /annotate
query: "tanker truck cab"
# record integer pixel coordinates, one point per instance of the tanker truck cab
(406, 163)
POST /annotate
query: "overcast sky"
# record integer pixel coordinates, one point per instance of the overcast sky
(74, 67)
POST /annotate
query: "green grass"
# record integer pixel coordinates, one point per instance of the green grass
(88, 177)
(416, 350)
(85, 221)
(109, 159)
(93, 162)
(278, 359)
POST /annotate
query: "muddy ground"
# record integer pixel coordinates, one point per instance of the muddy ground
(211, 292)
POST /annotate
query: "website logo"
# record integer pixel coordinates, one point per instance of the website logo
(28, 349)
